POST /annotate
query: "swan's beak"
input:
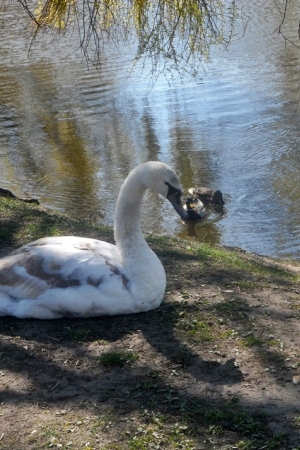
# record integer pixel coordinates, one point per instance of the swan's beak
(175, 199)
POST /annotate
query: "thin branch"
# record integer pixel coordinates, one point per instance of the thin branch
(279, 29)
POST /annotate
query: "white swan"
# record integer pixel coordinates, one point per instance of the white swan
(79, 277)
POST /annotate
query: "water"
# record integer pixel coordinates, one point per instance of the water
(69, 137)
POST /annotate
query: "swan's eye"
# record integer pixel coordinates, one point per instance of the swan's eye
(173, 191)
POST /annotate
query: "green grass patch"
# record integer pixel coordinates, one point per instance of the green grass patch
(217, 256)
(297, 421)
(199, 330)
(232, 306)
(21, 223)
(111, 359)
(251, 341)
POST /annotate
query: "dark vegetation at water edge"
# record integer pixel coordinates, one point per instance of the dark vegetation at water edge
(215, 367)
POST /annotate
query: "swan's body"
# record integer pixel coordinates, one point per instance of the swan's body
(208, 196)
(79, 277)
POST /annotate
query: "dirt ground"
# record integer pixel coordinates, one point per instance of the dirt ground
(215, 367)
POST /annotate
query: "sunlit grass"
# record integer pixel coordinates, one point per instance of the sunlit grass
(199, 330)
(21, 223)
(250, 341)
(232, 259)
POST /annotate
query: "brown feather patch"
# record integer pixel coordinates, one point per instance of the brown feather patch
(39, 281)
(116, 271)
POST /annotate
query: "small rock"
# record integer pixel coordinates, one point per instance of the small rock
(296, 379)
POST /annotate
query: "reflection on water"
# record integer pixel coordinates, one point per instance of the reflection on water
(69, 137)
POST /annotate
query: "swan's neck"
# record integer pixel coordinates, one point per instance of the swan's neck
(128, 233)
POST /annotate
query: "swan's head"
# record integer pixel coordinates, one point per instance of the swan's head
(162, 179)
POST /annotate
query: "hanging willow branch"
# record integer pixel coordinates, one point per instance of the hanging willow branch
(284, 14)
(175, 34)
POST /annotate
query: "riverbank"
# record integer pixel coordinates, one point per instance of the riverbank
(215, 367)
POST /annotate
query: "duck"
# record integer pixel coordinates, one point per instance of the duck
(78, 277)
(208, 196)
(194, 208)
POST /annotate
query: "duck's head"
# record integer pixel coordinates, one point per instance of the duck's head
(193, 203)
(194, 208)
(217, 198)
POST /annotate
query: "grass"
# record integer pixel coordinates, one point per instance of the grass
(159, 432)
(22, 222)
(232, 259)
(110, 359)
(251, 340)
(199, 331)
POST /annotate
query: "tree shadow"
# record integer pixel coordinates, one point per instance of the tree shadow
(156, 326)
(133, 389)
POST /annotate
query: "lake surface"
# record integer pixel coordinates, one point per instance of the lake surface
(69, 137)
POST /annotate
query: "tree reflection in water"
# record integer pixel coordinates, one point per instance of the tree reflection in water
(175, 35)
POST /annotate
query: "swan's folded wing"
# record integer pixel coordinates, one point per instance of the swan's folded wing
(20, 276)
(57, 263)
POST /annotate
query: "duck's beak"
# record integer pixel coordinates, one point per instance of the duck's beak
(175, 199)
